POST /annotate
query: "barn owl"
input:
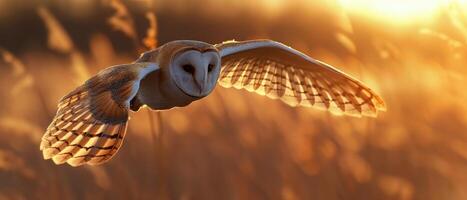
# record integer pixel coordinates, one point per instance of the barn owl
(91, 121)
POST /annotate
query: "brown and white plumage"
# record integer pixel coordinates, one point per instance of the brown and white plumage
(91, 121)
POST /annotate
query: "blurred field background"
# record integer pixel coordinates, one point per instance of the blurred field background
(234, 144)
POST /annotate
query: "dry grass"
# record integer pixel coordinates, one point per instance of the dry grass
(59, 40)
(150, 41)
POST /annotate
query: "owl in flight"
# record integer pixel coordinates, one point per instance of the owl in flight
(91, 121)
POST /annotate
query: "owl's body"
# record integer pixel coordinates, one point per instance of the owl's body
(91, 121)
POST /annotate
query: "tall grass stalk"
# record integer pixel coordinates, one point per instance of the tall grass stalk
(159, 155)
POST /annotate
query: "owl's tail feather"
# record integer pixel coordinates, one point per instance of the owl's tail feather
(76, 137)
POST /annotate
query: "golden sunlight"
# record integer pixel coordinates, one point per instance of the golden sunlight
(396, 10)
(235, 144)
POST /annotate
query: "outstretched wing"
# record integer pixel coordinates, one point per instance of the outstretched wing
(278, 71)
(91, 121)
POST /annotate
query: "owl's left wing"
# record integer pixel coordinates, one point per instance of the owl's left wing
(273, 69)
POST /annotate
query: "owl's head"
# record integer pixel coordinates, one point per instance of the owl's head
(195, 68)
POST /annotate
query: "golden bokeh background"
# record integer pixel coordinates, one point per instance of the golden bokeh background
(234, 144)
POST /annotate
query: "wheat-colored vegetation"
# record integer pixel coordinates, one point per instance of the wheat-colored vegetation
(234, 144)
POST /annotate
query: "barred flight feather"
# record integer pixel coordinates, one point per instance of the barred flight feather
(76, 137)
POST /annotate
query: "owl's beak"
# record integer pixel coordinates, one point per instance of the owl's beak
(201, 81)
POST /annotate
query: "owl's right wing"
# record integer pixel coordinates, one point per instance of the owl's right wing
(91, 121)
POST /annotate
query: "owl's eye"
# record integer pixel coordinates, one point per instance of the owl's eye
(189, 68)
(210, 67)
